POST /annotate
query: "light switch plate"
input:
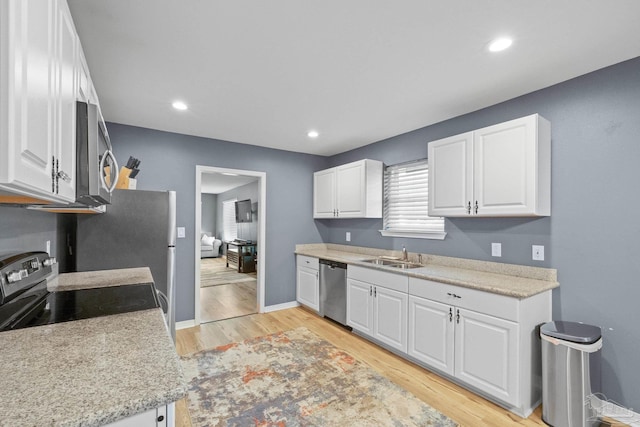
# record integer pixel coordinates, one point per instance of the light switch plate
(348, 236)
(496, 249)
(537, 252)
(181, 233)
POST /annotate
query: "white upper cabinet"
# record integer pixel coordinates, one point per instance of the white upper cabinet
(43, 75)
(500, 170)
(353, 190)
(66, 81)
(27, 150)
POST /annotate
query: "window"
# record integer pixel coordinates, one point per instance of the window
(230, 228)
(406, 202)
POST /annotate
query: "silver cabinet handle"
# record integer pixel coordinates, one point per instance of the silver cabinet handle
(370, 290)
(457, 315)
(63, 176)
(469, 208)
(450, 314)
(476, 207)
(106, 154)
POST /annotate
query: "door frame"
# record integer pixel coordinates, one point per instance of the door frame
(262, 218)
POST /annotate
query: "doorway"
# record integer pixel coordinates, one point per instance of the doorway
(229, 284)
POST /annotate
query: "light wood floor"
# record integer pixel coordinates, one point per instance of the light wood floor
(459, 404)
(238, 298)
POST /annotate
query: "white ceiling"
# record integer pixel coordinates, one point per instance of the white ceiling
(216, 183)
(358, 71)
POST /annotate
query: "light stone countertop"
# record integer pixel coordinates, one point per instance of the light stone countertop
(89, 372)
(100, 279)
(504, 279)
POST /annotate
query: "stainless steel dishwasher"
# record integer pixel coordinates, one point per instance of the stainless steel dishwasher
(333, 290)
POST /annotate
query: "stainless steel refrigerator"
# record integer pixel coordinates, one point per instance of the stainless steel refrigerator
(137, 230)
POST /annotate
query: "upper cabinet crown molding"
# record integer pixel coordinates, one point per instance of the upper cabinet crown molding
(352, 190)
(497, 171)
(41, 56)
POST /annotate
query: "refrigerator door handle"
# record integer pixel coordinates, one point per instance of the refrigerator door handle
(164, 301)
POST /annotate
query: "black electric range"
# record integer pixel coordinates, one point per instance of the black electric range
(26, 302)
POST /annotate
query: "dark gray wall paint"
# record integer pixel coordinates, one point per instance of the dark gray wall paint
(208, 213)
(246, 230)
(593, 234)
(24, 230)
(168, 163)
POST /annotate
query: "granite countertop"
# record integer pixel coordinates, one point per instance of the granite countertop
(89, 372)
(506, 279)
(100, 279)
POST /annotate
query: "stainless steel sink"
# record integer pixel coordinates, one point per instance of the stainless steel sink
(405, 265)
(381, 261)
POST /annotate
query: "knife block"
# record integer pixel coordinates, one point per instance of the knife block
(124, 182)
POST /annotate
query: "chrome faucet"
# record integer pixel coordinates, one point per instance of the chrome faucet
(405, 255)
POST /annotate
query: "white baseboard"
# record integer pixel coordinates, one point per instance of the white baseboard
(283, 306)
(185, 324)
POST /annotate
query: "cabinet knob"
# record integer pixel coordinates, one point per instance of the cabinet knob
(161, 418)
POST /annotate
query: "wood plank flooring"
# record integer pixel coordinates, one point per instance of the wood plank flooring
(238, 297)
(459, 404)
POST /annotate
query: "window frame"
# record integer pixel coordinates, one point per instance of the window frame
(408, 232)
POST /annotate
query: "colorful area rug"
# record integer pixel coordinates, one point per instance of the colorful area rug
(295, 378)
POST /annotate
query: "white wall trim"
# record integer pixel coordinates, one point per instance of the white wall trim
(185, 324)
(262, 235)
(283, 306)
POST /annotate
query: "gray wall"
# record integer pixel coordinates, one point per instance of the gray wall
(246, 230)
(208, 213)
(168, 162)
(593, 235)
(24, 230)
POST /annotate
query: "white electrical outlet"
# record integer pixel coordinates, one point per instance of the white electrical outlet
(48, 247)
(537, 252)
(348, 236)
(496, 249)
(181, 233)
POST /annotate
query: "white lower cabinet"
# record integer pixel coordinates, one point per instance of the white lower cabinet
(377, 305)
(307, 282)
(483, 340)
(431, 333)
(162, 416)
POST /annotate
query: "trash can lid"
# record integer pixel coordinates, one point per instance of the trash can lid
(572, 331)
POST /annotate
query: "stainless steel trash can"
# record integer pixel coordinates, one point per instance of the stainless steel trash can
(570, 373)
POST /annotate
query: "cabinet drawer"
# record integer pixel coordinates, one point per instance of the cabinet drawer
(483, 302)
(307, 261)
(396, 282)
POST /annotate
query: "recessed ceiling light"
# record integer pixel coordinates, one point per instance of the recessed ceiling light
(313, 134)
(179, 105)
(500, 44)
(229, 174)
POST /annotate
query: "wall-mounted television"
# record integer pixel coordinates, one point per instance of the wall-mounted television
(243, 210)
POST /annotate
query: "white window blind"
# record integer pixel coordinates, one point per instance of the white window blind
(406, 202)
(230, 228)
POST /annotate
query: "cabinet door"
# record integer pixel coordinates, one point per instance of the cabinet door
(431, 330)
(66, 81)
(360, 306)
(487, 354)
(307, 287)
(27, 122)
(451, 175)
(351, 190)
(390, 320)
(505, 168)
(324, 185)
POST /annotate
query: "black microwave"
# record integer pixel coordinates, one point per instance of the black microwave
(96, 166)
